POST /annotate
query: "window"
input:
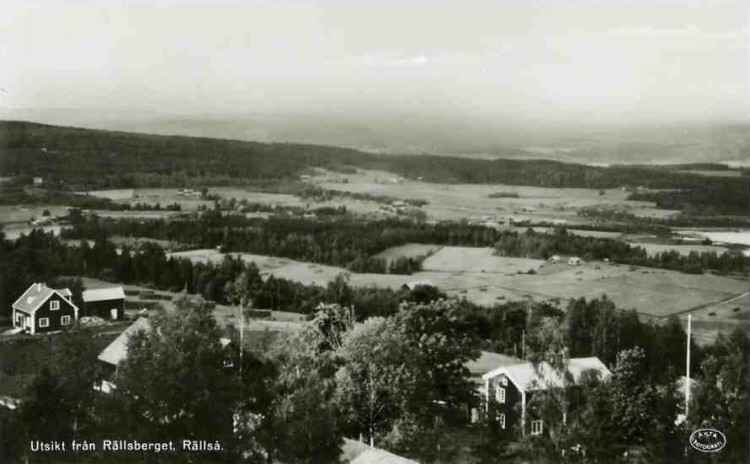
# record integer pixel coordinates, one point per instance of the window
(65, 320)
(536, 427)
(43, 322)
(54, 305)
(500, 394)
(501, 420)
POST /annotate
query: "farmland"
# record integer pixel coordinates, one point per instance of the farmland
(485, 279)
(471, 201)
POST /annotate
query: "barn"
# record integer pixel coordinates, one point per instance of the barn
(107, 303)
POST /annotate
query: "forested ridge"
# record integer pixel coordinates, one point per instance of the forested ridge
(103, 159)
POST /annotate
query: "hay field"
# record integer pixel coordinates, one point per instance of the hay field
(213, 256)
(23, 214)
(478, 260)
(458, 272)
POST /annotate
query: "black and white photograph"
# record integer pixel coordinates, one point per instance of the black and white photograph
(375, 231)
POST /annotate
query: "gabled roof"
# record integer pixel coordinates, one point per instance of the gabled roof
(354, 452)
(417, 283)
(116, 351)
(488, 361)
(103, 294)
(36, 295)
(526, 378)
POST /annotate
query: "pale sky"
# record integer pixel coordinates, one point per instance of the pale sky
(588, 60)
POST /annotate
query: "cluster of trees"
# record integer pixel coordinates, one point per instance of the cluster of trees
(101, 159)
(637, 415)
(337, 240)
(627, 222)
(725, 198)
(321, 194)
(405, 265)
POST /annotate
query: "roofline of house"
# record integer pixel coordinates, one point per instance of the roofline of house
(24, 294)
(504, 370)
(33, 310)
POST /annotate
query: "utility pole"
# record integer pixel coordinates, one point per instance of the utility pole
(242, 333)
(687, 367)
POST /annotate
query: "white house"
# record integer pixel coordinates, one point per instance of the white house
(42, 309)
(574, 261)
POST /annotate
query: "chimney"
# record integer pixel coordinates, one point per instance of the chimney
(38, 286)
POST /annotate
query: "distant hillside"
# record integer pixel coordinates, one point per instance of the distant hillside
(87, 158)
(445, 135)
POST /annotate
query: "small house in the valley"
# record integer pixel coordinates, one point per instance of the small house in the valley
(107, 303)
(511, 389)
(574, 261)
(42, 309)
(554, 259)
(417, 283)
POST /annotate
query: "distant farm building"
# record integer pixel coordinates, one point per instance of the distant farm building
(107, 303)
(42, 309)
(554, 259)
(574, 261)
(38, 181)
(417, 283)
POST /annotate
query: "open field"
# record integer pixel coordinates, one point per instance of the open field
(469, 201)
(23, 214)
(737, 237)
(208, 255)
(464, 259)
(722, 173)
(13, 231)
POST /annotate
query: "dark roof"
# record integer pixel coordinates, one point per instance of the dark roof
(36, 295)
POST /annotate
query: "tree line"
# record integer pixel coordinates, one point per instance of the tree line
(349, 241)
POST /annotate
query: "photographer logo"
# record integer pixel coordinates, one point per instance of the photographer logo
(708, 440)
